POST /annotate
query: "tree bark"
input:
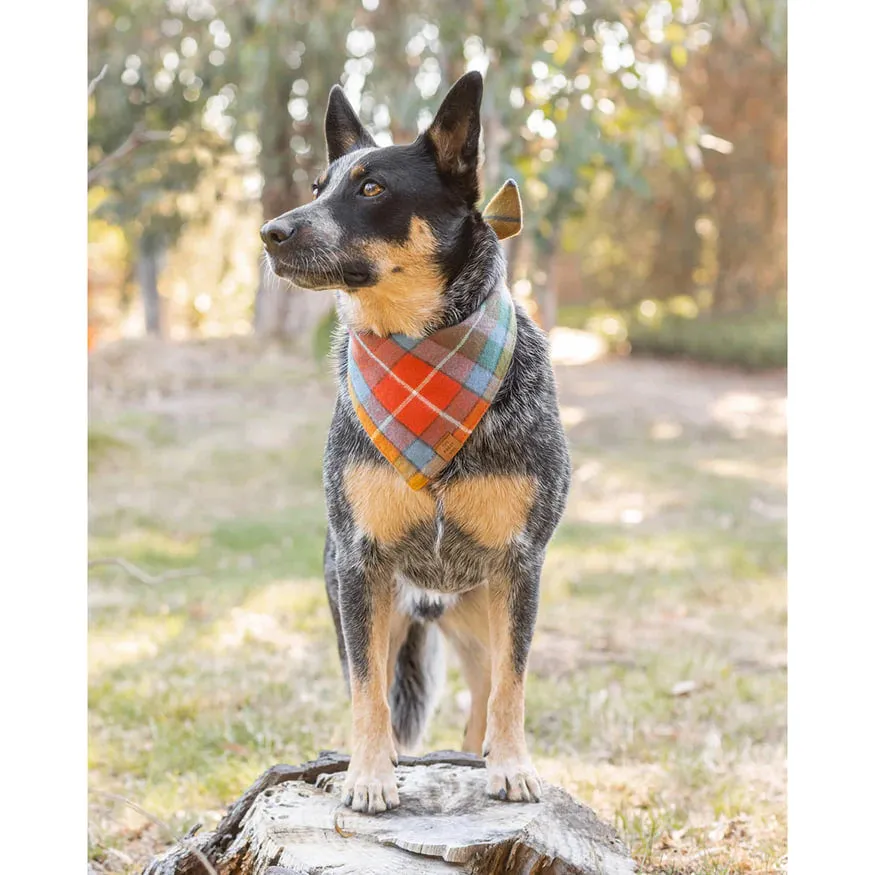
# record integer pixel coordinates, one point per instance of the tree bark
(291, 822)
(544, 279)
(678, 251)
(148, 269)
(278, 163)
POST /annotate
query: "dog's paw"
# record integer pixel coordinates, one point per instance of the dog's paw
(512, 779)
(371, 790)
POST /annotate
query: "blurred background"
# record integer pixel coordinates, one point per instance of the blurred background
(650, 141)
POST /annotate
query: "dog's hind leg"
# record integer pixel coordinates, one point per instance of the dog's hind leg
(416, 683)
(466, 625)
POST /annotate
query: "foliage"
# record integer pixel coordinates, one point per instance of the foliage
(753, 341)
(201, 71)
(677, 328)
(160, 79)
(649, 138)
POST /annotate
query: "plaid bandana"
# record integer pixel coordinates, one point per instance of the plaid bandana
(419, 399)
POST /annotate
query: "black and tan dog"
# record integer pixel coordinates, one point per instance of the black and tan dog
(397, 232)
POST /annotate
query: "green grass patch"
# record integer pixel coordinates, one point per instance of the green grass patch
(656, 692)
(103, 445)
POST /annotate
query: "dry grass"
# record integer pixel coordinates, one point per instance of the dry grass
(658, 674)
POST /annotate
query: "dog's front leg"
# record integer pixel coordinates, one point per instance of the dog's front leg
(513, 604)
(365, 608)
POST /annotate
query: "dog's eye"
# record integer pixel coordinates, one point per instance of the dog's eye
(372, 189)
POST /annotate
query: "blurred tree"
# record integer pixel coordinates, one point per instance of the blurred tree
(149, 135)
(613, 116)
(713, 229)
(740, 84)
(287, 80)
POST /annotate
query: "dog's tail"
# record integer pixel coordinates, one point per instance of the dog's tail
(419, 677)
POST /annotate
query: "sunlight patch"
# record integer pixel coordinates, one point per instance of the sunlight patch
(666, 430)
(244, 627)
(745, 469)
(569, 346)
(743, 412)
(571, 416)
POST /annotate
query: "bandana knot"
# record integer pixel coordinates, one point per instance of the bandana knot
(419, 399)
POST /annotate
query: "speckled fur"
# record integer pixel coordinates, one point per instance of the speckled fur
(520, 436)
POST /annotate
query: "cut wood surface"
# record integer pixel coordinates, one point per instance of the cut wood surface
(291, 822)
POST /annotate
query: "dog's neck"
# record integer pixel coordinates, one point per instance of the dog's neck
(482, 271)
(418, 312)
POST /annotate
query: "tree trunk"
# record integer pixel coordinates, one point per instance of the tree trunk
(544, 279)
(271, 304)
(278, 164)
(148, 269)
(291, 822)
(286, 312)
(678, 252)
(513, 252)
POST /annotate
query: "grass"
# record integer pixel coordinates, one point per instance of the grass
(657, 682)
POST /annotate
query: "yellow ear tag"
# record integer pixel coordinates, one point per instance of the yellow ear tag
(504, 213)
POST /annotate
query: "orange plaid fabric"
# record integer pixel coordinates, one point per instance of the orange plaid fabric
(419, 399)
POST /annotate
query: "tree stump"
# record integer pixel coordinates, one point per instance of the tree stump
(291, 822)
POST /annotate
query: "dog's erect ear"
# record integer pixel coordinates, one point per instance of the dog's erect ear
(455, 134)
(343, 130)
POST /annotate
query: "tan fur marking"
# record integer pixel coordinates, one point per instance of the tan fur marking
(371, 721)
(466, 626)
(383, 505)
(509, 768)
(407, 301)
(492, 508)
(507, 699)
(370, 706)
(357, 172)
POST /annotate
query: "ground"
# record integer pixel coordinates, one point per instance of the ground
(657, 685)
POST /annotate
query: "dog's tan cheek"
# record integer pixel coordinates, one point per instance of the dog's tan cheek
(408, 294)
(492, 509)
(383, 505)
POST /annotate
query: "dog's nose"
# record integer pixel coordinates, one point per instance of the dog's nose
(277, 231)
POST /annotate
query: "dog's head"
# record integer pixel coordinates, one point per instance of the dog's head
(390, 226)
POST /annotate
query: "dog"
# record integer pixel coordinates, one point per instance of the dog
(448, 544)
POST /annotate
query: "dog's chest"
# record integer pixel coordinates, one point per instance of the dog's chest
(441, 537)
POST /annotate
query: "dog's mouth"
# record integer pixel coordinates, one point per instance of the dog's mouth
(319, 273)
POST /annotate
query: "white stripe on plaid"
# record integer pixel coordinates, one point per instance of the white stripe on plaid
(415, 393)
